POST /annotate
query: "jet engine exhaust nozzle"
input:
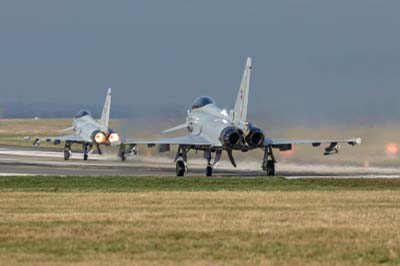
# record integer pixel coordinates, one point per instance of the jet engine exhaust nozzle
(255, 137)
(99, 137)
(114, 138)
(230, 136)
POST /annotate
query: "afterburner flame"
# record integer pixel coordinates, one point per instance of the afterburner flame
(114, 137)
(100, 137)
(392, 149)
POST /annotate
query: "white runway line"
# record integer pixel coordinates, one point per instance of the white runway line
(51, 154)
(18, 174)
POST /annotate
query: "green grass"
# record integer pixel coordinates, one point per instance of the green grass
(143, 184)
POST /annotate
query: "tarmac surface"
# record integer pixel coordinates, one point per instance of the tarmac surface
(32, 161)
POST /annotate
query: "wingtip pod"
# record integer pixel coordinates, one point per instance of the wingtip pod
(109, 91)
(356, 141)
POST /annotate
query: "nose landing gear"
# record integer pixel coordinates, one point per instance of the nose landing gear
(211, 166)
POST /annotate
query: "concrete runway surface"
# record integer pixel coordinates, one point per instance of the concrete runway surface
(31, 161)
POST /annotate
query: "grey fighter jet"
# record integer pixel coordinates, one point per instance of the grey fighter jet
(214, 130)
(88, 132)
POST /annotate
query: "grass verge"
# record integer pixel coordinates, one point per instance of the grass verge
(142, 184)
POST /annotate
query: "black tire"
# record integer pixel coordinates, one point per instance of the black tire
(67, 155)
(270, 168)
(85, 157)
(209, 171)
(122, 156)
(180, 168)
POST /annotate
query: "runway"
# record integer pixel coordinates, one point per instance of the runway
(32, 161)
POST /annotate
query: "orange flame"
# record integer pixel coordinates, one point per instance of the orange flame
(288, 152)
(114, 137)
(100, 137)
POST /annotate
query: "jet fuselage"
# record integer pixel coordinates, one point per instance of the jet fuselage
(216, 125)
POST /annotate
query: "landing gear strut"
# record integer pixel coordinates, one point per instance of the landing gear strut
(123, 151)
(269, 161)
(210, 166)
(85, 151)
(67, 150)
(181, 161)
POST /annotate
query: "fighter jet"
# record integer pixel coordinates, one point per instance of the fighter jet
(88, 132)
(213, 130)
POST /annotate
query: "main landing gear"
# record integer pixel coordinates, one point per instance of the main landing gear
(67, 150)
(269, 161)
(85, 151)
(181, 161)
(124, 152)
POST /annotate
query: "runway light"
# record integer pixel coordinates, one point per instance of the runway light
(392, 149)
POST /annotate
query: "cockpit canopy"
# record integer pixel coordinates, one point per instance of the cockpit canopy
(202, 101)
(82, 113)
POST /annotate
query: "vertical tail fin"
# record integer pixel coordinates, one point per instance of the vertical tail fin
(240, 109)
(105, 115)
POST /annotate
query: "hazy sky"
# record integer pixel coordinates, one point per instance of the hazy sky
(311, 58)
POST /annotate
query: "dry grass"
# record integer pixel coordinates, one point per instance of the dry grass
(200, 228)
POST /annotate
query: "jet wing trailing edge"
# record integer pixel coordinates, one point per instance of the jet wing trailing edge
(286, 144)
(314, 142)
(69, 138)
(183, 140)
